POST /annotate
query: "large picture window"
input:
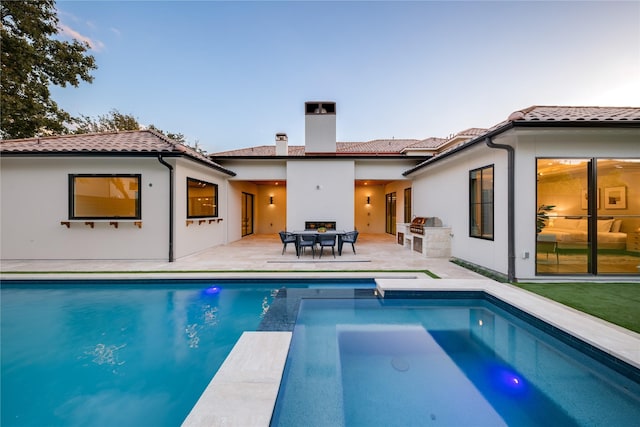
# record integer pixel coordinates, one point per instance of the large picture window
(481, 203)
(202, 199)
(104, 196)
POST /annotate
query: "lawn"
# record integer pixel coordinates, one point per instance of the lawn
(617, 303)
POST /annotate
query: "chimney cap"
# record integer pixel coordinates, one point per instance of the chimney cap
(320, 107)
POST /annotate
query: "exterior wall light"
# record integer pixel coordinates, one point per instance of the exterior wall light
(270, 200)
(368, 200)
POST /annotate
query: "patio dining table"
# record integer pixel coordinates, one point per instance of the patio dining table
(316, 233)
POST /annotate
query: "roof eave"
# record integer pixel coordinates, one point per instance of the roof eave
(115, 154)
(525, 124)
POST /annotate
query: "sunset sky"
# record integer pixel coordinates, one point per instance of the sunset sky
(231, 74)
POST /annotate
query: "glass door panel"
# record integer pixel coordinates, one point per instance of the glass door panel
(563, 242)
(618, 222)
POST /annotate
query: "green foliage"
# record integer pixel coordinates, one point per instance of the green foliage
(542, 217)
(111, 122)
(178, 137)
(32, 59)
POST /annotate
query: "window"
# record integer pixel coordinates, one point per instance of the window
(481, 203)
(202, 199)
(104, 196)
(407, 205)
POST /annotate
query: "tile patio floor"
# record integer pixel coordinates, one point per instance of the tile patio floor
(261, 253)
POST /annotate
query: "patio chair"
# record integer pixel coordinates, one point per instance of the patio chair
(307, 241)
(349, 237)
(325, 241)
(287, 237)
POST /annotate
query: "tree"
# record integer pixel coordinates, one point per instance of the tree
(178, 137)
(110, 122)
(33, 59)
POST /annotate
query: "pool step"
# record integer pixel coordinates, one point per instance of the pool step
(244, 390)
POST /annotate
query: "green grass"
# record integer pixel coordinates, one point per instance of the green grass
(617, 303)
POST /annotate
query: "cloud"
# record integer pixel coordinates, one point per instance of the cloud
(115, 31)
(67, 31)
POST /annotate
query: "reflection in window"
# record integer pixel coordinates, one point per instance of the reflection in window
(104, 196)
(481, 203)
(202, 199)
(407, 204)
(594, 219)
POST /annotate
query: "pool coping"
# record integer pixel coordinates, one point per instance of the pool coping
(220, 403)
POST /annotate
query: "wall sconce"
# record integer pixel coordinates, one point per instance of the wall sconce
(270, 200)
(368, 200)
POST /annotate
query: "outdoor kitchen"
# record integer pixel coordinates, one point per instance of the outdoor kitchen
(425, 235)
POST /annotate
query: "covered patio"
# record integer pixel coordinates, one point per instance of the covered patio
(378, 253)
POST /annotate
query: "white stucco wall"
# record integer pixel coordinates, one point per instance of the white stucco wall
(35, 199)
(442, 190)
(199, 234)
(383, 169)
(320, 133)
(247, 170)
(320, 190)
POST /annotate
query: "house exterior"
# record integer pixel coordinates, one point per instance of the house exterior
(486, 186)
(122, 195)
(583, 162)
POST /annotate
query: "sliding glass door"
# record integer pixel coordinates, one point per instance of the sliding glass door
(588, 216)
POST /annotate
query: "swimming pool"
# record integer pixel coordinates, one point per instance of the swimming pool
(441, 362)
(125, 353)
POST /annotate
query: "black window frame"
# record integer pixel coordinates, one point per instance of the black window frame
(481, 234)
(215, 198)
(72, 178)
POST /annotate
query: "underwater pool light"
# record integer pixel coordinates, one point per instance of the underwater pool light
(213, 290)
(508, 381)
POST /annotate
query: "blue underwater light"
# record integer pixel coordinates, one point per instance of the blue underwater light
(213, 290)
(507, 380)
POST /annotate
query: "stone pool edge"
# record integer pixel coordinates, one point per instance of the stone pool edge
(246, 392)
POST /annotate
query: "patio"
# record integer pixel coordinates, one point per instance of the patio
(263, 253)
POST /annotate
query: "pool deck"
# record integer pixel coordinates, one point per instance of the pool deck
(244, 390)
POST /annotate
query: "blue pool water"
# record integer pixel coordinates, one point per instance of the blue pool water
(366, 362)
(120, 353)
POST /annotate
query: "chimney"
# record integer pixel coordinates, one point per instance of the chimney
(320, 127)
(282, 144)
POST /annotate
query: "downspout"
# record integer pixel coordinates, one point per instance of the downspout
(162, 161)
(511, 251)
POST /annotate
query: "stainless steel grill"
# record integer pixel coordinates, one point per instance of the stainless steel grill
(417, 225)
(420, 222)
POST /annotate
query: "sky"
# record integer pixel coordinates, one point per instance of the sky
(231, 75)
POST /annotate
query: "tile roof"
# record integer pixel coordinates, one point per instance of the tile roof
(377, 146)
(578, 114)
(542, 115)
(429, 143)
(125, 142)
